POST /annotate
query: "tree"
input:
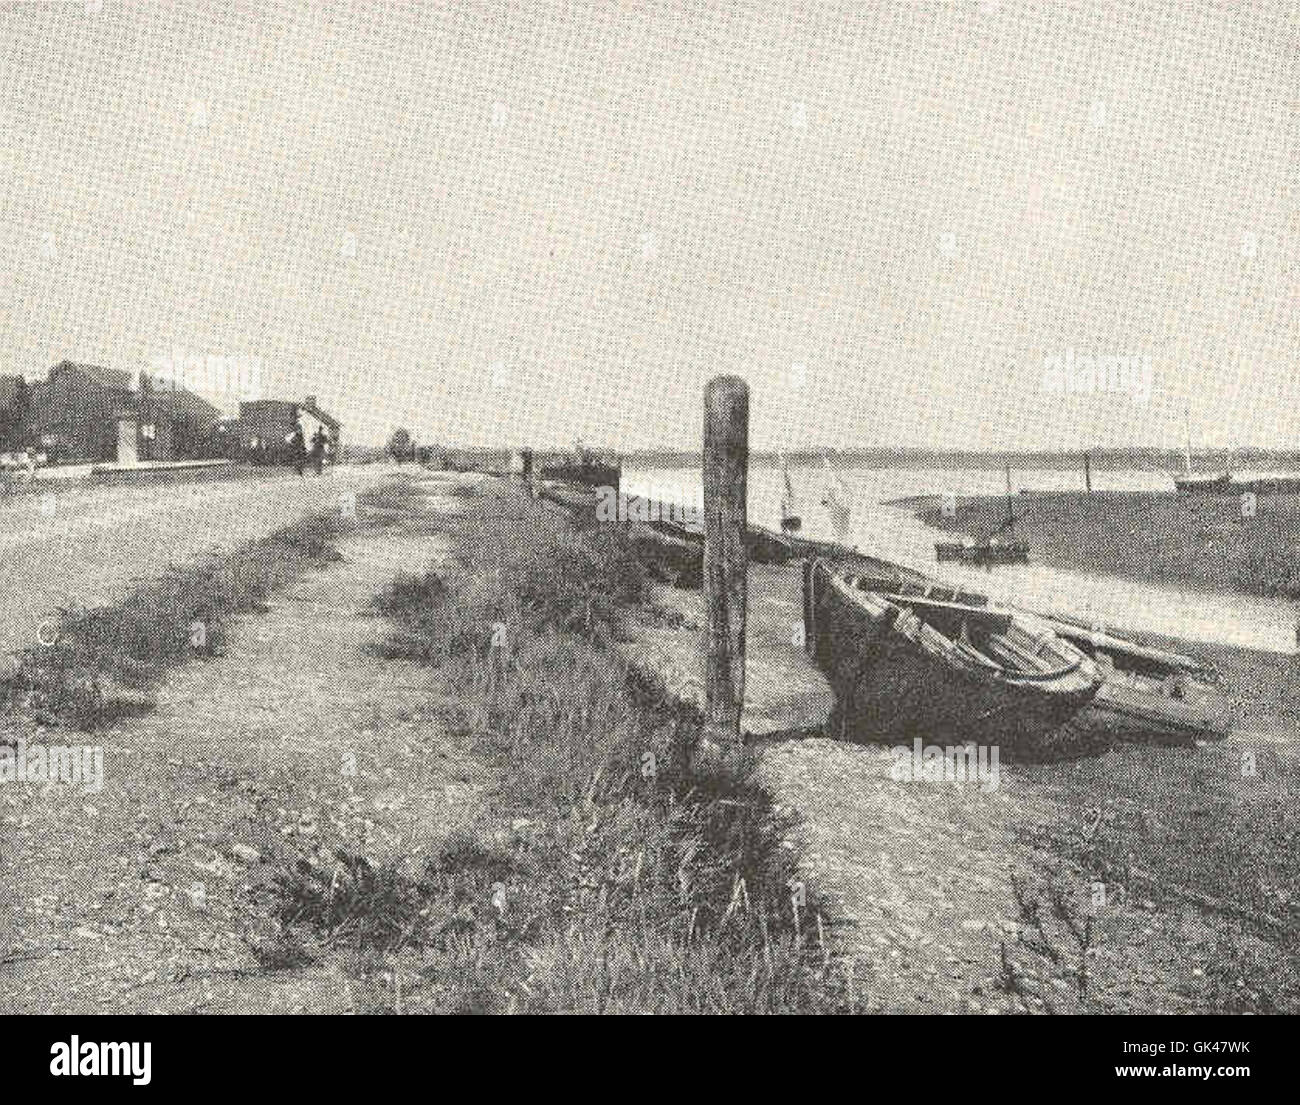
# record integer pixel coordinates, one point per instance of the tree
(401, 445)
(14, 427)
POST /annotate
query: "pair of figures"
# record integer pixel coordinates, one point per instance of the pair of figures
(298, 450)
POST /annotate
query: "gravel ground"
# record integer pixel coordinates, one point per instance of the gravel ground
(923, 876)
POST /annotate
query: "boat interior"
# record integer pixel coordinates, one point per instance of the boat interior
(980, 633)
(1115, 652)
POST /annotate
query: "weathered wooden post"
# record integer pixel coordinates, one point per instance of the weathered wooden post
(726, 477)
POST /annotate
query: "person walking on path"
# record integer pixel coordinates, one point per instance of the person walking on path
(318, 441)
(297, 450)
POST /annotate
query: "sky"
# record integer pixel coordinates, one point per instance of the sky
(529, 223)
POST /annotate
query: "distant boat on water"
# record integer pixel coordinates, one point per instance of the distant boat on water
(583, 467)
(835, 501)
(1202, 483)
(992, 549)
(1227, 484)
(791, 522)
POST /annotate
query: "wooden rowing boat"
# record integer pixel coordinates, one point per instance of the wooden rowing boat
(942, 671)
(1148, 694)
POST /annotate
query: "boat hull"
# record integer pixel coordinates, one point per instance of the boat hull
(670, 558)
(893, 682)
(1221, 485)
(1128, 711)
(1149, 695)
(1203, 485)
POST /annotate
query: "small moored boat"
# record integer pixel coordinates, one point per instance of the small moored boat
(943, 671)
(983, 554)
(835, 500)
(1149, 694)
(791, 522)
(992, 549)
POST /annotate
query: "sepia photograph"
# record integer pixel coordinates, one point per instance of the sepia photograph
(628, 507)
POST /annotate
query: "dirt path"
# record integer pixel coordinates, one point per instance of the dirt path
(84, 545)
(140, 898)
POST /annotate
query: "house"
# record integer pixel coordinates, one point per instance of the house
(75, 411)
(10, 386)
(86, 412)
(174, 423)
(262, 431)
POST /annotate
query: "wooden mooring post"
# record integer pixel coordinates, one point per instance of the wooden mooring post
(726, 565)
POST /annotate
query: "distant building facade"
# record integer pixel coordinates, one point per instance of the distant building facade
(264, 427)
(83, 412)
(75, 411)
(176, 423)
(88, 413)
(15, 408)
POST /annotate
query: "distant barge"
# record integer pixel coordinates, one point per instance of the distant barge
(1226, 484)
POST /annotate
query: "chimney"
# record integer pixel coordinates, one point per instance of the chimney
(311, 401)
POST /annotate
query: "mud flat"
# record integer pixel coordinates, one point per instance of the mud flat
(1204, 541)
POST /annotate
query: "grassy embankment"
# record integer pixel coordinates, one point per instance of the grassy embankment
(101, 663)
(611, 876)
(1200, 540)
(615, 878)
